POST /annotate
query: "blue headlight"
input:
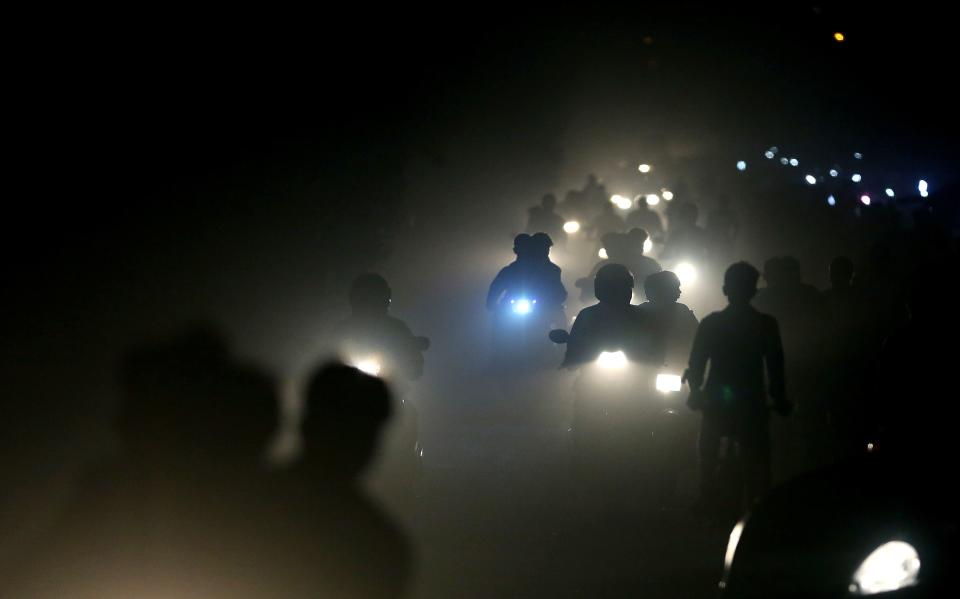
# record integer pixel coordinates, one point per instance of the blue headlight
(522, 306)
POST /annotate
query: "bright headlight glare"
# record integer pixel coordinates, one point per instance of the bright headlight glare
(370, 366)
(603, 254)
(669, 383)
(612, 360)
(686, 273)
(891, 567)
(647, 246)
(522, 306)
(571, 226)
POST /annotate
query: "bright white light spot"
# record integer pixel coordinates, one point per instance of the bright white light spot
(621, 202)
(865, 200)
(769, 155)
(891, 567)
(794, 162)
(686, 273)
(370, 366)
(858, 155)
(924, 194)
(889, 192)
(732, 544)
(573, 320)
(653, 199)
(834, 172)
(741, 165)
(784, 161)
(831, 200)
(603, 254)
(612, 360)
(647, 246)
(571, 226)
(667, 195)
(522, 306)
(856, 178)
(922, 187)
(644, 168)
(869, 446)
(810, 179)
(668, 383)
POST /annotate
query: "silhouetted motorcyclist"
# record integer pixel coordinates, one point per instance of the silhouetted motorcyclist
(370, 327)
(612, 323)
(545, 218)
(672, 323)
(532, 276)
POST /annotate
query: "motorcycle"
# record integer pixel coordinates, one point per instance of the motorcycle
(629, 426)
(520, 324)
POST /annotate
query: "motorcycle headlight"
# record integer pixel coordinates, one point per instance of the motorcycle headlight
(571, 227)
(669, 383)
(891, 567)
(522, 306)
(612, 360)
(370, 366)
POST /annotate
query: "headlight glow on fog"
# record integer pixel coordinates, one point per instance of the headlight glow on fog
(667, 194)
(741, 165)
(686, 273)
(810, 179)
(856, 178)
(891, 567)
(644, 168)
(522, 306)
(653, 199)
(647, 246)
(571, 226)
(669, 383)
(612, 360)
(603, 254)
(369, 366)
(732, 544)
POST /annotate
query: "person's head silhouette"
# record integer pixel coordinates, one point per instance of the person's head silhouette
(841, 272)
(613, 285)
(773, 272)
(345, 413)
(740, 283)
(638, 237)
(549, 202)
(792, 273)
(540, 245)
(662, 287)
(370, 294)
(521, 246)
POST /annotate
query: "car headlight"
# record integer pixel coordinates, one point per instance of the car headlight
(669, 383)
(522, 306)
(890, 567)
(370, 366)
(612, 360)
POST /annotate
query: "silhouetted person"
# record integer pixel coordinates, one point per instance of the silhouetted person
(648, 220)
(912, 408)
(844, 365)
(531, 276)
(740, 345)
(673, 324)
(723, 226)
(594, 193)
(608, 221)
(611, 323)
(798, 309)
(334, 541)
(176, 513)
(640, 266)
(371, 333)
(686, 240)
(545, 218)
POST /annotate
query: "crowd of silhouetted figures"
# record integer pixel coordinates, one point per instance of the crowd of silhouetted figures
(187, 507)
